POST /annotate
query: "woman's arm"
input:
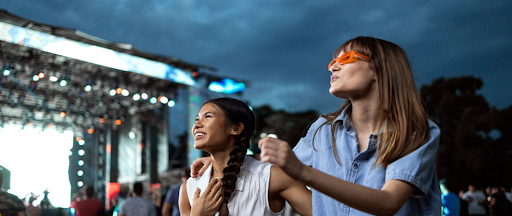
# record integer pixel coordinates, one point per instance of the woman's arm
(386, 201)
(183, 200)
(296, 193)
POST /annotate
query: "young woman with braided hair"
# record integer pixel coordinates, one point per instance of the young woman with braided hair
(236, 184)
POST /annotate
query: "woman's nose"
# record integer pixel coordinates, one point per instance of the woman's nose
(335, 67)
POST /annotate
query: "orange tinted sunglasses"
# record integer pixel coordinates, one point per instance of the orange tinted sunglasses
(348, 57)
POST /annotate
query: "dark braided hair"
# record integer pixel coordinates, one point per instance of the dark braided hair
(236, 112)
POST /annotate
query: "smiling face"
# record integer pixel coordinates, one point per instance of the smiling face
(352, 80)
(210, 131)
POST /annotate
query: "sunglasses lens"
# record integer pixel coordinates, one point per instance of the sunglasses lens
(344, 58)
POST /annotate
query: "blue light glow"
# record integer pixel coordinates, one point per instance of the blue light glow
(227, 86)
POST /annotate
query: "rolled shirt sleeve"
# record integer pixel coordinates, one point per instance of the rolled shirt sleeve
(418, 167)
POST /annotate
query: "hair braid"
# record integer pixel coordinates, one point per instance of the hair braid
(236, 159)
(236, 112)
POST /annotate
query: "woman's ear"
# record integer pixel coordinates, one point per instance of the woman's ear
(237, 129)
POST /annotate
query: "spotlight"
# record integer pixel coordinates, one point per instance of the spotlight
(54, 78)
(144, 96)
(81, 152)
(80, 173)
(153, 100)
(136, 97)
(171, 103)
(119, 90)
(80, 163)
(88, 88)
(41, 75)
(102, 120)
(7, 72)
(62, 114)
(90, 131)
(125, 92)
(63, 82)
(35, 78)
(163, 99)
(81, 142)
(112, 92)
(118, 122)
(80, 183)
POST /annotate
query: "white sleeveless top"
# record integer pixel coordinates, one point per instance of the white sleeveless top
(251, 193)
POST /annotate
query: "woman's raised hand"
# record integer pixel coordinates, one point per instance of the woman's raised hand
(279, 153)
(199, 166)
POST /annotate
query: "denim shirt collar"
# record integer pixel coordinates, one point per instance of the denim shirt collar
(347, 126)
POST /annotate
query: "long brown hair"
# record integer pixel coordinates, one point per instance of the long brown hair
(236, 112)
(403, 118)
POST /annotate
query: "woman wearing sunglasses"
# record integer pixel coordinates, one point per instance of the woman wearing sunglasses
(376, 154)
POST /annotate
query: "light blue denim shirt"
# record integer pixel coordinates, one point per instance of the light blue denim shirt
(416, 168)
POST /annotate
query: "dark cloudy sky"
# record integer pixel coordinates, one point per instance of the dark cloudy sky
(283, 46)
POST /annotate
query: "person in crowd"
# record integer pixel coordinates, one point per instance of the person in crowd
(463, 204)
(86, 203)
(172, 197)
(499, 205)
(509, 195)
(137, 205)
(450, 200)
(234, 183)
(10, 205)
(374, 155)
(32, 210)
(476, 200)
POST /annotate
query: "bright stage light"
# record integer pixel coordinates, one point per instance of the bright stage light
(112, 92)
(35, 78)
(136, 97)
(63, 83)
(7, 72)
(144, 96)
(54, 79)
(81, 152)
(171, 103)
(81, 142)
(80, 173)
(125, 92)
(164, 99)
(80, 183)
(48, 154)
(88, 88)
(80, 163)
(153, 100)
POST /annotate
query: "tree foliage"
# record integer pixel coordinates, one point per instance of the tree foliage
(287, 126)
(474, 146)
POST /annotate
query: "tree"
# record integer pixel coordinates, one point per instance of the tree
(287, 126)
(468, 152)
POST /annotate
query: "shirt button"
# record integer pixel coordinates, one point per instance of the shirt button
(355, 166)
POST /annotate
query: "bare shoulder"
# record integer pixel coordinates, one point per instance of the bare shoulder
(183, 188)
